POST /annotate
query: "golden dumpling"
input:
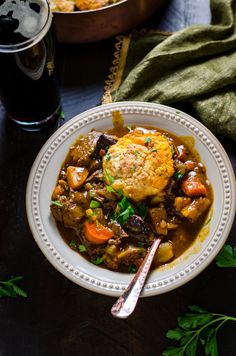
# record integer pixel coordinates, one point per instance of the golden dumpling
(140, 164)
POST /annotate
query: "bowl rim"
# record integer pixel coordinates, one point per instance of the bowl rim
(94, 115)
(91, 11)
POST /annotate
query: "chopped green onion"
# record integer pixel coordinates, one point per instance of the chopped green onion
(94, 204)
(143, 210)
(147, 139)
(107, 156)
(108, 177)
(56, 202)
(110, 189)
(137, 153)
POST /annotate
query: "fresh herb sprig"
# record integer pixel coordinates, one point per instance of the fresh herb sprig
(123, 211)
(199, 327)
(9, 288)
(226, 257)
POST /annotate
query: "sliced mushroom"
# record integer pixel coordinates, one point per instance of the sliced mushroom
(137, 228)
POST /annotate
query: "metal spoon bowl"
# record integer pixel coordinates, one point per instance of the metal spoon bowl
(126, 303)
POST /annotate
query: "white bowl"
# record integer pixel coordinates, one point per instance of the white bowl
(43, 177)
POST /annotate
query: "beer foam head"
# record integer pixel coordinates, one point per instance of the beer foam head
(30, 15)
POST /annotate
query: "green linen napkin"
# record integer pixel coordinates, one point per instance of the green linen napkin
(196, 65)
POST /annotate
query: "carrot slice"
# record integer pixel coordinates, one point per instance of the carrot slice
(96, 233)
(192, 186)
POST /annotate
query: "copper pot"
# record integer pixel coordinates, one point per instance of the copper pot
(96, 25)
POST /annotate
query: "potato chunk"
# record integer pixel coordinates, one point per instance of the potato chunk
(76, 176)
(194, 210)
(164, 253)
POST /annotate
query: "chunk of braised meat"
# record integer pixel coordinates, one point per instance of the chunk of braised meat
(119, 233)
(179, 167)
(137, 228)
(70, 214)
(92, 249)
(103, 142)
(182, 153)
(132, 255)
(190, 165)
(181, 202)
(80, 153)
(195, 209)
(109, 208)
(109, 196)
(110, 257)
(58, 191)
(95, 176)
(80, 198)
(158, 217)
(95, 165)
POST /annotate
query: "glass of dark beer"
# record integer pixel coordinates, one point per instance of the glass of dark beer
(29, 88)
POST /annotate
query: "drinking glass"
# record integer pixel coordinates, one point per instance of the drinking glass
(29, 86)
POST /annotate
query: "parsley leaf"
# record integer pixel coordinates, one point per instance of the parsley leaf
(226, 257)
(120, 192)
(132, 268)
(9, 288)
(194, 327)
(124, 210)
(82, 248)
(143, 210)
(62, 115)
(97, 261)
(73, 244)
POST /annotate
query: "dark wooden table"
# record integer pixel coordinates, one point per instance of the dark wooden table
(59, 317)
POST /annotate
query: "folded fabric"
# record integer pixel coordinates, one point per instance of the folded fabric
(196, 66)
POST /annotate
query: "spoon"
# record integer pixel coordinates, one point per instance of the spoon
(126, 303)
